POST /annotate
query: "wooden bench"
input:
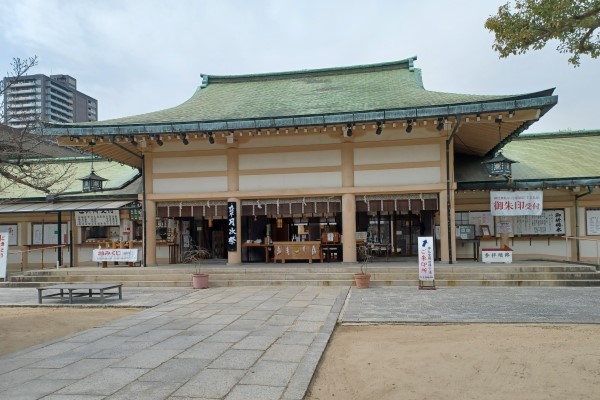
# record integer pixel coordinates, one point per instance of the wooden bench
(80, 290)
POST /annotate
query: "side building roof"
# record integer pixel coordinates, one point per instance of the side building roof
(565, 158)
(122, 181)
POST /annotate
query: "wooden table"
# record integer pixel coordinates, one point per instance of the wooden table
(264, 245)
(81, 289)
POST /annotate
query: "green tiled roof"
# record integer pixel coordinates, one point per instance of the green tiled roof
(118, 175)
(385, 86)
(555, 155)
(542, 157)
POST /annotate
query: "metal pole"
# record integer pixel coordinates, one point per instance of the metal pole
(144, 241)
(448, 189)
(59, 230)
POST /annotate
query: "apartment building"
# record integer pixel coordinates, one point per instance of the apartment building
(53, 98)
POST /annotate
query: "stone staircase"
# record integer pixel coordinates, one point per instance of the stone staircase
(382, 274)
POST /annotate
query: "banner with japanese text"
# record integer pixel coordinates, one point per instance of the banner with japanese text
(426, 272)
(116, 255)
(3, 254)
(231, 226)
(516, 203)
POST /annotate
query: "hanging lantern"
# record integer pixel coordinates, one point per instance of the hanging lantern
(279, 222)
(499, 166)
(92, 182)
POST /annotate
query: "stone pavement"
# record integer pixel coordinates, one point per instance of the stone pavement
(579, 305)
(248, 342)
(224, 343)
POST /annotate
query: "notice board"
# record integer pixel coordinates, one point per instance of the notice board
(592, 222)
(550, 222)
(48, 234)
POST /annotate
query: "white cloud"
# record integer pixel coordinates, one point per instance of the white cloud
(137, 56)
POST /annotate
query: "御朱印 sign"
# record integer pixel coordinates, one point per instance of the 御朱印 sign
(516, 203)
(426, 268)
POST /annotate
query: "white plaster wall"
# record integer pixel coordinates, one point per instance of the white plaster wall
(189, 164)
(191, 185)
(293, 139)
(396, 154)
(556, 248)
(290, 181)
(407, 176)
(276, 161)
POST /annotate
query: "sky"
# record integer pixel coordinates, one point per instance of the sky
(139, 56)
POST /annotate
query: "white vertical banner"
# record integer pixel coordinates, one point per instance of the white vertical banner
(3, 254)
(426, 271)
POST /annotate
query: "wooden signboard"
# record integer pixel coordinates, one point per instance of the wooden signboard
(309, 251)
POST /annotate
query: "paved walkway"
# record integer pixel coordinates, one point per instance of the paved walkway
(247, 342)
(234, 343)
(473, 305)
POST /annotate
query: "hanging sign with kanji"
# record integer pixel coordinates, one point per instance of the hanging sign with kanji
(231, 226)
(425, 245)
(516, 203)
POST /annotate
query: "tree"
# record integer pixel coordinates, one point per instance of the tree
(533, 23)
(23, 153)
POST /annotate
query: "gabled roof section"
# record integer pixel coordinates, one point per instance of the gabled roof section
(287, 95)
(563, 158)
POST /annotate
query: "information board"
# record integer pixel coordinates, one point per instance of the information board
(48, 234)
(97, 218)
(592, 219)
(479, 218)
(465, 232)
(11, 230)
(550, 222)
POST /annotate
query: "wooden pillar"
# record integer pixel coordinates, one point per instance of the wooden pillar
(23, 240)
(233, 185)
(150, 233)
(349, 227)
(76, 240)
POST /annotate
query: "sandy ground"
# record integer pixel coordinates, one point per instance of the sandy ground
(22, 327)
(384, 362)
(477, 361)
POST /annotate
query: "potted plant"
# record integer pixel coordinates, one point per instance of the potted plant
(195, 255)
(363, 279)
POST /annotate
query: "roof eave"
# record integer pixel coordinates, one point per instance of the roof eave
(544, 103)
(529, 183)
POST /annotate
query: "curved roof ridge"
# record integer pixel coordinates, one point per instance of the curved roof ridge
(407, 63)
(559, 134)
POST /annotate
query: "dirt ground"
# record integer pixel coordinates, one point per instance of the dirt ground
(385, 362)
(477, 361)
(21, 327)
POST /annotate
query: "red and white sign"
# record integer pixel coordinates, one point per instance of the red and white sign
(516, 203)
(3, 254)
(426, 271)
(125, 255)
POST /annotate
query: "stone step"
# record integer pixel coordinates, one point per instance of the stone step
(383, 274)
(74, 277)
(374, 283)
(280, 269)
